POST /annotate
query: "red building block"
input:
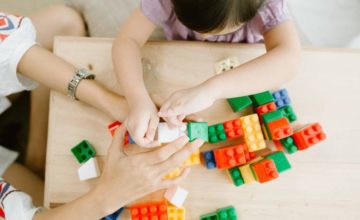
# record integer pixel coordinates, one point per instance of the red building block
(263, 109)
(280, 129)
(279, 146)
(233, 128)
(149, 211)
(265, 170)
(308, 136)
(229, 157)
(112, 128)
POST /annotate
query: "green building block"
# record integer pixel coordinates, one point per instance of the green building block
(83, 151)
(281, 162)
(216, 133)
(210, 216)
(262, 98)
(288, 112)
(272, 116)
(236, 177)
(227, 213)
(198, 130)
(289, 144)
(239, 103)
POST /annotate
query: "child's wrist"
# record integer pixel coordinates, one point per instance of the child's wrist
(211, 88)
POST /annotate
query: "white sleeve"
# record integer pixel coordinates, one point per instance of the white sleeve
(17, 35)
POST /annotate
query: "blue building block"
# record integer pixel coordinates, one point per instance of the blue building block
(114, 216)
(131, 141)
(209, 159)
(281, 98)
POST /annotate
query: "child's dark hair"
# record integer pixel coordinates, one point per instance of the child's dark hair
(209, 15)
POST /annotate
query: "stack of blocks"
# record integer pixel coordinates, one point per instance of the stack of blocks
(85, 155)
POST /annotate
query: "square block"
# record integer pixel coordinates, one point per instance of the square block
(239, 103)
(271, 116)
(216, 133)
(235, 176)
(83, 151)
(280, 129)
(176, 196)
(229, 157)
(262, 98)
(194, 159)
(209, 216)
(308, 136)
(281, 98)
(281, 162)
(175, 213)
(198, 130)
(165, 134)
(289, 113)
(289, 145)
(226, 65)
(227, 213)
(209, 159)
(265, 170)
(151, 210)
(263, 109)
(89, 170)
(233, 128)
(253, 135)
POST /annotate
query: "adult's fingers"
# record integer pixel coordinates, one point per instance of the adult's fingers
(117, 143)
(151, 131)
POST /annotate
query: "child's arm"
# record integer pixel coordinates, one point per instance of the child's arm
(142, 120)
(277, 66)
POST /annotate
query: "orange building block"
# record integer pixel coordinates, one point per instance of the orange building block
(233, 128)
(112, 128)
(280, 129)
(265, 170)
(263, 109)
(149, 211)
(308, 136)
(279, 146)
(229, 157)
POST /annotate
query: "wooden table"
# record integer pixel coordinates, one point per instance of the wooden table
(324, 181)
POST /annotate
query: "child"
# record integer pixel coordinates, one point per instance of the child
(112, 191)
(232, 21)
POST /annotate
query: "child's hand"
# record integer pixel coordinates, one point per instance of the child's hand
(126, 178)
(185, 102)
(142, 123)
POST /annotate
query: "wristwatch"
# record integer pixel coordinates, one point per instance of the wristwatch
(80, 74)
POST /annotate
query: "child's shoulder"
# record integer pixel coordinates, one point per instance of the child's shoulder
(158, 11)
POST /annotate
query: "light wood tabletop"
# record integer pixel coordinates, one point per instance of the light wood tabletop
(324, 182)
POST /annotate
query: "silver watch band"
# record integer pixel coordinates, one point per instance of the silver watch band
(80, 74)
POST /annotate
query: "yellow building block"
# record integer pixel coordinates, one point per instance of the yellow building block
(173, 174)
(194, 159)
(175, 213)
(246, 171)
(266, 135)
(253, 135)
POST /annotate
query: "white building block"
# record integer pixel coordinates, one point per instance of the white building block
(226, 65)
(176, 195)
(167, 135)
(4, 104)
(89, 170)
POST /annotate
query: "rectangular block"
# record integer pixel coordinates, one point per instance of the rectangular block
(165, 134)
(233, 128)
(266, 108)
(272, 116)
(228, 157)
(280, 129)
(289, 145)
(227, 213)
(176, 196)
(308, 136)
(253, 135)
(235, 176)
(246, 172)
(281, 162)
(281, 98)
(209, 216)
(89, 170)
(265, 170)
(239, 103)
(83, 151)
(262, 98)
(198, 130)
(175, 213)
(151, 210)
(216, 133)
(194, 159)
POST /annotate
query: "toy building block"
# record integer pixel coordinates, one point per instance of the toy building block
(173, 174)
(235, 176)
(271, 116)
(209, 216)
(226, 65)
(289, 145)
(262, 98)
(265, 170)
(227, 213)
(165, 134)
(233, 128)
(198, 130)
(229, 157)
(281, 162)
(288, 112)
(113, 126)
(263, 109)
(216, 133)
(194, 159)
(281, 98)
(246, 171)
(151, 210)
(176, 196)
(265, 132)
(280, 129)
(239, 103)
(89, 170)
(209, 159)
(308, 136)
(253, 136)
(279, 146)
(114, 216)
(83, 151)
(175, 213)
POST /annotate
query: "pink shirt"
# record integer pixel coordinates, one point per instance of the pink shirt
(272, 13)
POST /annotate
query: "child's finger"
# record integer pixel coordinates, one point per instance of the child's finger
(151, 131)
